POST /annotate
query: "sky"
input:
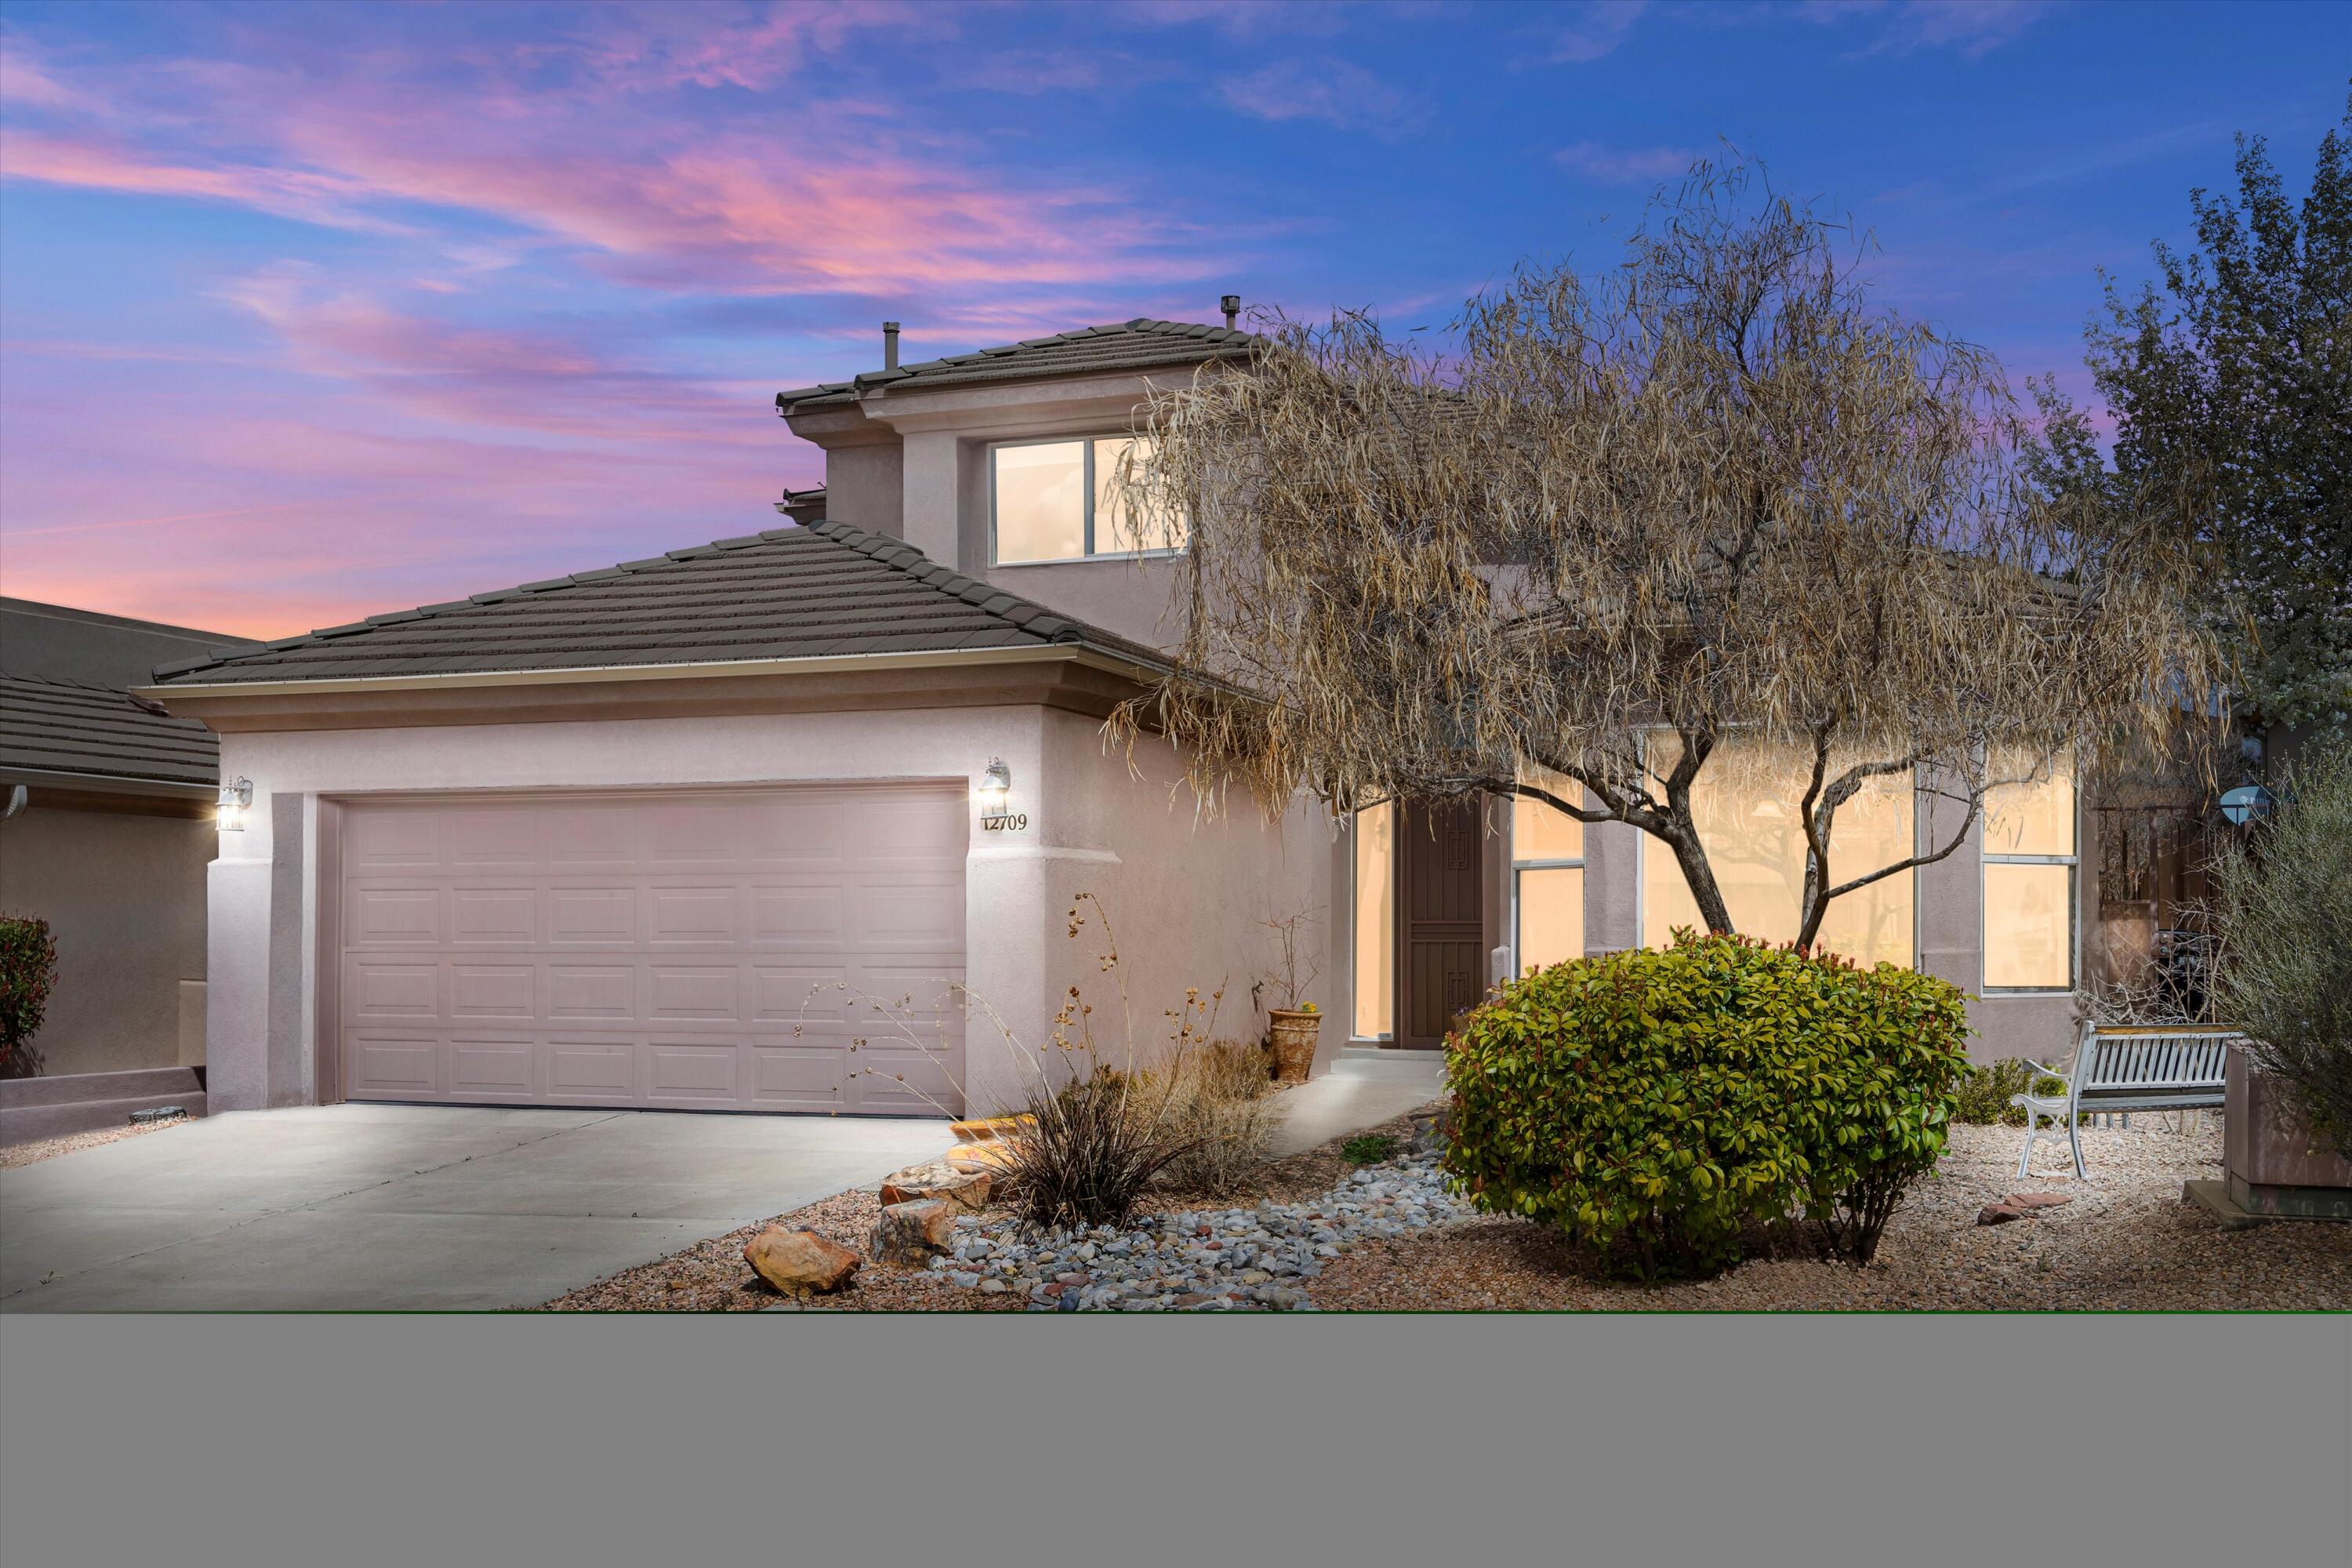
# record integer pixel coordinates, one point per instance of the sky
(311, 312)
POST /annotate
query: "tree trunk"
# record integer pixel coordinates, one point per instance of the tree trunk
(1700, 875)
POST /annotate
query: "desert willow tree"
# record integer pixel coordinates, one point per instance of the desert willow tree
(1707, 508)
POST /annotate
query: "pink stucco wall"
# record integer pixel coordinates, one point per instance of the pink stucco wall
(1181, 892)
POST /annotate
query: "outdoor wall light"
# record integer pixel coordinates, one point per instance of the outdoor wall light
(235, 800)
(996, 814)
(996, 788)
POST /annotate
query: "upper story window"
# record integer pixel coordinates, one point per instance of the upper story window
(1059, 500)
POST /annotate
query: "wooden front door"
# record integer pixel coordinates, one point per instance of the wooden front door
(1441, 961)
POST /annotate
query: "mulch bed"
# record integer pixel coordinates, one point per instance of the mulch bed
(2124, 1241)
(2127, 1241)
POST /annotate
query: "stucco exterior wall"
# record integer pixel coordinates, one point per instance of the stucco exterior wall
(1185, 893)
(124, 897)
(937, 450)
(864, 486)
(1172, 889)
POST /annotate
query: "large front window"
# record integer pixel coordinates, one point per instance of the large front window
(1060, 500)
(2028, 878)
(1747, 802)
(1547, 876)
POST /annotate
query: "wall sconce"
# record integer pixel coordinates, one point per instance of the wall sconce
(235, 800)
(996, 815)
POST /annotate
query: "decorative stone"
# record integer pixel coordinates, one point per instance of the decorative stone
(994, 1159)
(909, 1235)
(1999, 1213)
(989, 1128)
(2035, 1200)
(800, 1262)
(966, 1190)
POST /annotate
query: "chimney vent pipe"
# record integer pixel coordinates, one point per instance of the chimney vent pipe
(1232, 306)
(889, 345)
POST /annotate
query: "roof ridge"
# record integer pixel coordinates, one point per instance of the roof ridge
(1210, 337)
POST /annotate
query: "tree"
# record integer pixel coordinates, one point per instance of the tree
(1629, 523)
(2285, 917)
(2241, 367)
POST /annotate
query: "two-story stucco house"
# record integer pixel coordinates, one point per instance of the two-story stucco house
(686, 831)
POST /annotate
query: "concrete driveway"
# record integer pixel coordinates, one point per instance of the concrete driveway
(374, 1208)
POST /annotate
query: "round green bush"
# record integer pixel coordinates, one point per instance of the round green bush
(1653, 1103)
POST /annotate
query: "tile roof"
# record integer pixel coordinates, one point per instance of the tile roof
(1139, 344)
(64, 726)
(819, 590)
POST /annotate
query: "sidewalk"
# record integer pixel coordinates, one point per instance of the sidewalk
(1336, 1105)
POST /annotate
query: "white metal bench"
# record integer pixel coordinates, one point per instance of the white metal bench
(2123, 1068)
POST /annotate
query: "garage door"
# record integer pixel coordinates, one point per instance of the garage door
(717, 950)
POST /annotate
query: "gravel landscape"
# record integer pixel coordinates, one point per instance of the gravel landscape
(2125, 1241)
(33, 1153)
(1317, 1232)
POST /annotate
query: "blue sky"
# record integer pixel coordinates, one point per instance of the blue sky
(310, 311)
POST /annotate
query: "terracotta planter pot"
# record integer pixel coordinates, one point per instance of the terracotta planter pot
(2275, 1166)
(1295, 1030)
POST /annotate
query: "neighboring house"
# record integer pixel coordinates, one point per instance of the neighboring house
(686, 832)
(113, 835)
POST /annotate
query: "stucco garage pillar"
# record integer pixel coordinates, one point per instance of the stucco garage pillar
(256, 1054)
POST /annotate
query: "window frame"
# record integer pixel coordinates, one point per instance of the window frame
(2073, 864)
(1388, 935)
(1086, 443)
(1910, 880)
(1543, 863)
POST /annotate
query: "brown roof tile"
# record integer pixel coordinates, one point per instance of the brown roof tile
(1142, 343)
(64, 727)
(819, 590)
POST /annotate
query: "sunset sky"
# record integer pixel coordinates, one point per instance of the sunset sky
(309, 311)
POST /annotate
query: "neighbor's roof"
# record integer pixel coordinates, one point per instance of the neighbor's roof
(821, 590)
(64, 726)
(1139, 344)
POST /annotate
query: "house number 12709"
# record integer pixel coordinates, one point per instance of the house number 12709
(1018, 821)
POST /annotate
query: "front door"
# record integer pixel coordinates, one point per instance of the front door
(1441, 959)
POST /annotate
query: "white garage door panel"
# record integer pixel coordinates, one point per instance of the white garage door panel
(715, 948)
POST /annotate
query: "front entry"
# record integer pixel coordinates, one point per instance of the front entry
(1439, 942)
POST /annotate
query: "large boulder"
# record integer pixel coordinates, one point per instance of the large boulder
(911, 1235)
(801, 1262)
(966, 1190)
(995, 1157)
(981, 1132)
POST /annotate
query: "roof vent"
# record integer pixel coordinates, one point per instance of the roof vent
(889, 345)
(1232, 306)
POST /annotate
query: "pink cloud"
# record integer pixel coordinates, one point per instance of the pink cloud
(656, 46)
(93, 166)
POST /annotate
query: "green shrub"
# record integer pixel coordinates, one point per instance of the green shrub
(28, 968)
(1984, 1092)
(2285, 970)
(1368, 1148)
(1653, 1104)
